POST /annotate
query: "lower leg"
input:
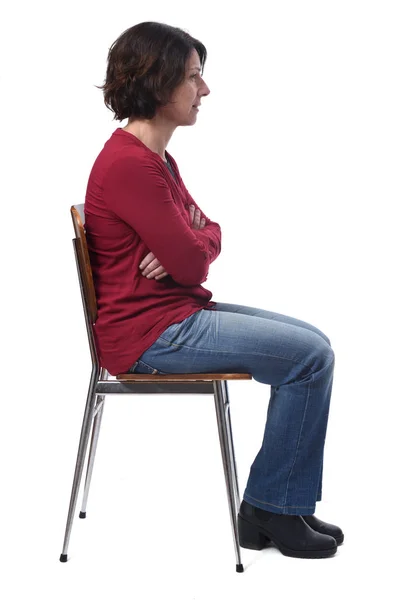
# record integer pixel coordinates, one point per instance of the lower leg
(285, 477)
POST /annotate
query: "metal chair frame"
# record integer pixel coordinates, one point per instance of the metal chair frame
(101, 386)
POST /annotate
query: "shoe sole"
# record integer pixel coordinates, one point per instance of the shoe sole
(262, 539)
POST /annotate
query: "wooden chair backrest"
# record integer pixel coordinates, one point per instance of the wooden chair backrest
(86, 277)
(78, 219)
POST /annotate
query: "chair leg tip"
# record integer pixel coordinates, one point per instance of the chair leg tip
(63, 557)
(82, 515)
(239, 568)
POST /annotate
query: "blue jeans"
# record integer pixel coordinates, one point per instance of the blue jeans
(291, 356)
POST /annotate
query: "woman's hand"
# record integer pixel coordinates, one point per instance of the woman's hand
(150, 265)
(195, 220)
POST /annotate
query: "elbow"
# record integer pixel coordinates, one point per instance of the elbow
(195, 272)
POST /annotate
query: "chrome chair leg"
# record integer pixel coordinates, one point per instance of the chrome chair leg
(230, 442)
(228, 460)
(92, 454)
(83, 443)
(93, 445)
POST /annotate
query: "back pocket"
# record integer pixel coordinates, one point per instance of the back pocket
(142, 368)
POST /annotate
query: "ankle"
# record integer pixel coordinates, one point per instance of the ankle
(249, 510)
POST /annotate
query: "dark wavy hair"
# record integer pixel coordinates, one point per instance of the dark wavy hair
(144, 66)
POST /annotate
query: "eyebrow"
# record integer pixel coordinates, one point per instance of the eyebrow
(197, 68)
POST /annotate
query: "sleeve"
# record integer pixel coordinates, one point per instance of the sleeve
(138, 193)
(210, 235)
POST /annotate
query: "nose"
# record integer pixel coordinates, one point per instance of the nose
(206, 90)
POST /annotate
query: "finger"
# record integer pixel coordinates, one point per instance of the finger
(147, 260)
(151, 266)
(154, 272)
(191, 212)
(202, 223)
(164, 274)
(196, 221)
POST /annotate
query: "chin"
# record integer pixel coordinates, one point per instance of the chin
(189, 122)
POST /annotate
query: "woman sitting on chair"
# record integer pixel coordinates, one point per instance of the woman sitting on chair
(151, 248)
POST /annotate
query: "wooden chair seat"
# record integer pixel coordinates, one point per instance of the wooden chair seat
(183, 377)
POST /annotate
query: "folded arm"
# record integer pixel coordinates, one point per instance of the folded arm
(138, 193)
(210, 234)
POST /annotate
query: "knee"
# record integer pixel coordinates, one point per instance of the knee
(322, 356)
(324, 337)
(330, 356)
(328, 341)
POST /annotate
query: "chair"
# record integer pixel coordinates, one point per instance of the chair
(101, 385)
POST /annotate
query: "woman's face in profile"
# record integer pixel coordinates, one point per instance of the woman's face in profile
(187, 96)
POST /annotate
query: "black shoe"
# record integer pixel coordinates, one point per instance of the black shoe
(325, 528)
(290, 533)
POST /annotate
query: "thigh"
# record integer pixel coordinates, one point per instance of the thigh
(266, 314)
(212, 341)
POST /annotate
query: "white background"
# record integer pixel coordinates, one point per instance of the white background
(296, 154)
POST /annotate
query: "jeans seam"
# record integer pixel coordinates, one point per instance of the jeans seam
(312, 379)
(298, 362)
(276, 505)
(299, 438)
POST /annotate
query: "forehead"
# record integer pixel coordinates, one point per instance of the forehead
(193, 61)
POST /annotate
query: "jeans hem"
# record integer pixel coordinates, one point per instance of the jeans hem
(279, 510)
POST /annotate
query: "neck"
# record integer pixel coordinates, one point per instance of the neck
(154, 133)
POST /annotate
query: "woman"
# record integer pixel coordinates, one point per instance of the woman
(151, 248)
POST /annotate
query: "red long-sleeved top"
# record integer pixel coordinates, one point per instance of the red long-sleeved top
(134, 206)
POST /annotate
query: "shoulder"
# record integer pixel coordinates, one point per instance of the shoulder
(132, 162)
